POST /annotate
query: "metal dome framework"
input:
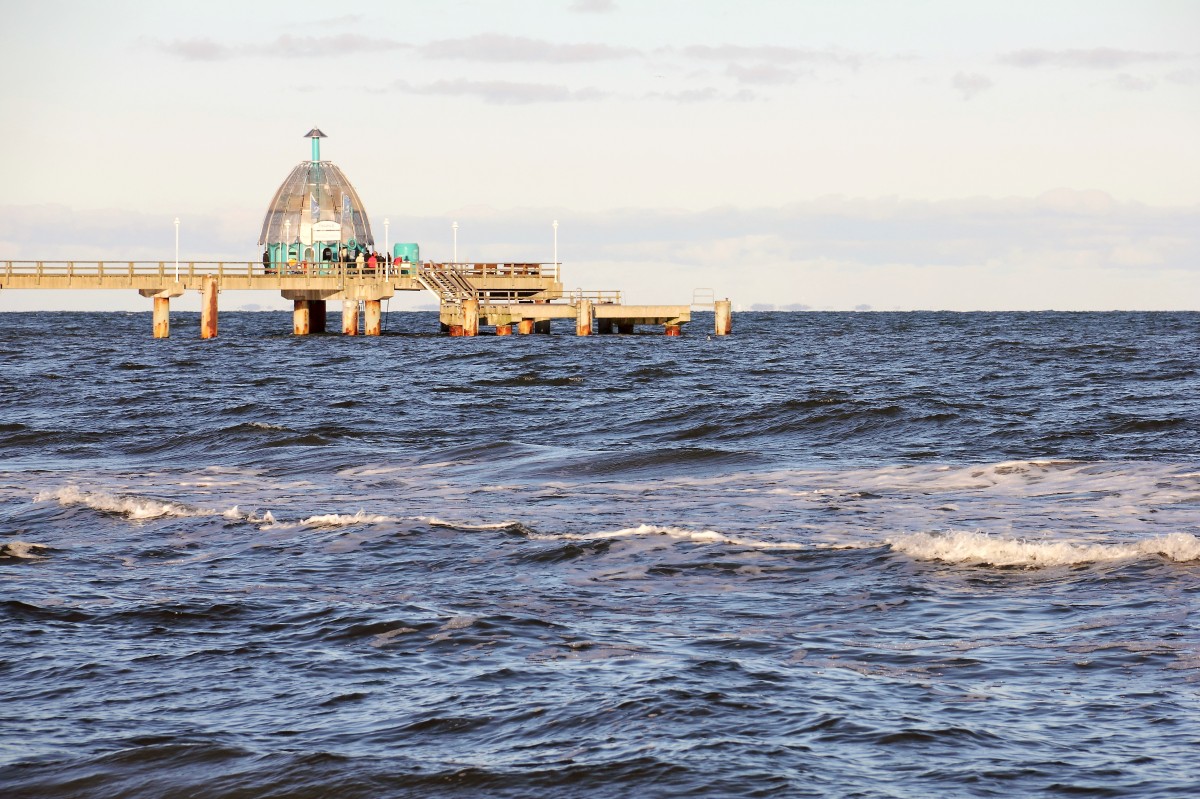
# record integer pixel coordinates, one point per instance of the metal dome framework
(316, 204)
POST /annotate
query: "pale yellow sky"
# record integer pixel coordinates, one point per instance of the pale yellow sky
(825, 154)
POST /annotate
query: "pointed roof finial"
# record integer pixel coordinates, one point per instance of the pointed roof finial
(316, 135)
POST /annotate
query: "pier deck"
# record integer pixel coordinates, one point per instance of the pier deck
(529, 295)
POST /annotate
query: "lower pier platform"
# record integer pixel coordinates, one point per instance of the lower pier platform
(464, 319)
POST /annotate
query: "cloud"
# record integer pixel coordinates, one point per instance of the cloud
(761, 74)
(494, 47)
(501, 92)
(592, 6)
(1065, 248)
(706, 95)
(1095, 58)
(1132, 83)
(971, 84)
(486, 47)
(1185, 77)
(1084, 227)
(771, 54)
(284, 46)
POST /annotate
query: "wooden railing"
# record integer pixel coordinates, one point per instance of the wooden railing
(170, 270)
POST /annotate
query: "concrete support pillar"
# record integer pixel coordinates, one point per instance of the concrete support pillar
(456, 331)
(525, 327)
(583, 318)
(318, 313)
(445, 327)
(300, 317)
(625, 327)
(604, 326)
(542, 327)
(470, 312)
(674, 330)
(349, 317)
(208, 308)
(372, 318)
(503, 330)
(723, 318)
(162, 317)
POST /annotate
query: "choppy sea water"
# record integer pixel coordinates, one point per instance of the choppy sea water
(870, 555)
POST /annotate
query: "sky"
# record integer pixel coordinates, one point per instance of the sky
(855, 154)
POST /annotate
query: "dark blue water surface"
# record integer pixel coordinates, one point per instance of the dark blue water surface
(869, 555)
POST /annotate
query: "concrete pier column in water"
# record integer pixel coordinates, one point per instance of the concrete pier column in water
(583, 318)
(525, 327)
(300, 317)
(542, 326)
(723, 318)
(208, 308)
(625, 327)
(372, 318)
(674, 330)
(162, 317)
(470, 311)
(318, 313)
(162, 306)
(604, 326)
(503, 330)
(350, 317)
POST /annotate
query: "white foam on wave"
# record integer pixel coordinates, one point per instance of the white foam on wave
(434, 521)
(141, 508)
(128, 506)
(980, 548)
(22, 549)
(345, 519)
(676, 533)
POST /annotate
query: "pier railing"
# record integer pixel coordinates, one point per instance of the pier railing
(169, 270)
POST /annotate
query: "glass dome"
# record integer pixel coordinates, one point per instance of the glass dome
(317, 205)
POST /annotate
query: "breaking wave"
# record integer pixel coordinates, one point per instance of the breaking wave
(982, 549)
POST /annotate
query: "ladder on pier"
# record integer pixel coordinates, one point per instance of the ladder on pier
(447, 282)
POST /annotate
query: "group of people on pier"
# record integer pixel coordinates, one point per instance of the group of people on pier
(354, 259)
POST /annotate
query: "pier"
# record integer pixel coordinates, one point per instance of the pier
(318, 246)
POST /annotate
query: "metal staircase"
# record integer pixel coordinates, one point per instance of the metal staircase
(445, 281)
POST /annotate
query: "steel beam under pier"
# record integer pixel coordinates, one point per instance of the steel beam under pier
(318, 313)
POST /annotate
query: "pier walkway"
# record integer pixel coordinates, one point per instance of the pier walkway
(501, 295)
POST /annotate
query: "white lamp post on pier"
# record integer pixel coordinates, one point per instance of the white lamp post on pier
(454, 227)
(556, 247)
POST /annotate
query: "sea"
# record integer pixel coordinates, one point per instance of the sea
(830, 555)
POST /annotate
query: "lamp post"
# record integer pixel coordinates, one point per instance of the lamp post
(454, 227)
(387, 261)
(176, 249)
(555, 246)
(287, 241)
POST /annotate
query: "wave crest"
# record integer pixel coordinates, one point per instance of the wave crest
(983, 549)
